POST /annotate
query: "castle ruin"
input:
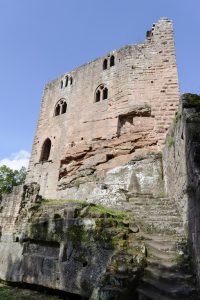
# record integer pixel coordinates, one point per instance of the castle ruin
(103, 113)
(110, 207)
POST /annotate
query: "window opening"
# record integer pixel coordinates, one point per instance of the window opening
(105, 93)
(98, 96)
(64, 108)
(46, 148)
(57, 111)
(105, 64)
(112, 61)
(66, 81)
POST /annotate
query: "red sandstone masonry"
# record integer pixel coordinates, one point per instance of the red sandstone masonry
(143, 74)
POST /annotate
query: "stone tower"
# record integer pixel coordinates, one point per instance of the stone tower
(104, 112)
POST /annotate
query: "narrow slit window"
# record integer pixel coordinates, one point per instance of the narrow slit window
(112, 61)
(105, 64)
(61, 84)
(71, 80)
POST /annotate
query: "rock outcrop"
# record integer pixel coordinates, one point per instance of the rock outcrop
(182, 169)
(76, 247)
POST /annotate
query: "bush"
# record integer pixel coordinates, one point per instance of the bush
(10, 178)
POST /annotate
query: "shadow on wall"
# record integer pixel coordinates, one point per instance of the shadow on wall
(182, 170)
(14, 278)
(191, 133)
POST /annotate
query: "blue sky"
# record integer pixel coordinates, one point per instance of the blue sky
(41, 39)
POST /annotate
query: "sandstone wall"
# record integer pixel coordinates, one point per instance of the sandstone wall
(182, 169)
(10, 207)
(144, 75)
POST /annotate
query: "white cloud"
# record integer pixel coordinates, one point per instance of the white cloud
(16, 160)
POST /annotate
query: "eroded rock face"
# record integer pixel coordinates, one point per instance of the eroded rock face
(75, 247)
(141, 175)
(182, 168)
(135, 131)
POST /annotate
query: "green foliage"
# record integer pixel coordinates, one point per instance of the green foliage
(10, 178)
(191, 100)
(52, 202)
(102, 210)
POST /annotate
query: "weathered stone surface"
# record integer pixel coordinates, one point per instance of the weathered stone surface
(108, 152)
(142, 98)
(182, 169)
(71, 246)
(141, 175)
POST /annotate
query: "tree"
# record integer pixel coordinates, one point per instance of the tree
(10, 178)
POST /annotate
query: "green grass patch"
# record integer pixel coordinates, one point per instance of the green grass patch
(104, 211)
(50, 202)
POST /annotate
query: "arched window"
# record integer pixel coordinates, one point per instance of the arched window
(61, 84)
(101, 93)
(64, 108)
(46, 149)
(98, 96)
(61, 107)
(105, 64)
(66, 81)
(57, 110)
(112, 61)
(105, 93)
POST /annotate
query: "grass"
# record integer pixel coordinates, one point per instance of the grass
(50, 202)
(99, 209)
(93, 209)
(14, 293)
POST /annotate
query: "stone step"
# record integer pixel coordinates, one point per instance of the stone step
(150, 197)
(154, 204)
(159, 217)
(150, 293)
(165, 246)
(161, 211)
(160, 237)
(161, 255)
(142, 200)
(167, 274)
(180, 289)
(160, 227)
(110, 292)
(162, 264)
(149, 202)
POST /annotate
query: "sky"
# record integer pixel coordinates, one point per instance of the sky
(42, 39)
